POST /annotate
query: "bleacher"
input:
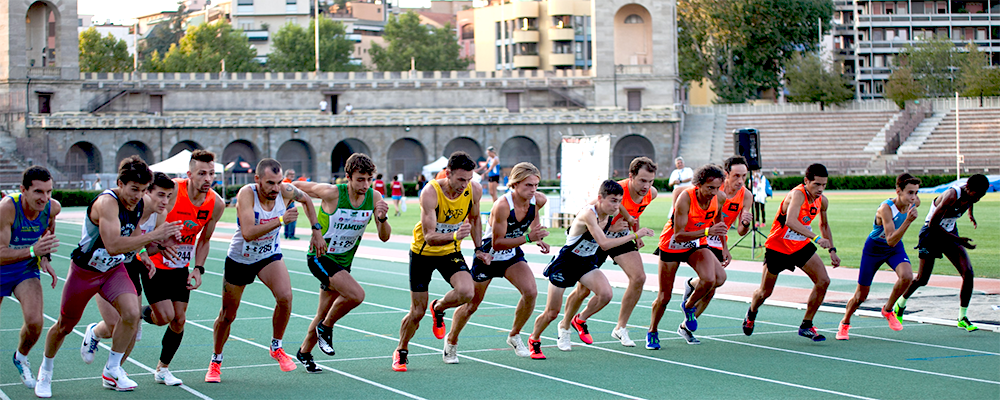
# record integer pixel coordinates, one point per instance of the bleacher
(979, 144)
(790, 142)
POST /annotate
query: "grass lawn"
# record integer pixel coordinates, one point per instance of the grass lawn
(851, 214)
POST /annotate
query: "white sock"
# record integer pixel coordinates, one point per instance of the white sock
(114, 360)
(20, 357)
(217, 358)
(275, 344)
(47, 364)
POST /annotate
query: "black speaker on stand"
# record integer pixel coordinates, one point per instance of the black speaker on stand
(746, 143)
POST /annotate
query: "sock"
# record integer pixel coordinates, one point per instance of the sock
(147, 315)
(961, 312)
(901, 302)
(217, 358)
(751, 314)
(47, 364)
(320, 327)
(114, 360)
(578, 319)
(20, 357)
(171, 341)
(275, 344)
(806, 324)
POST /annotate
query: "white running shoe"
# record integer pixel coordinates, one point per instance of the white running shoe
(519, 348)
(43, 387)
(563, 342)
(450, 353)
(164, 376)
(117, 379)
(687, 335)
(138, 331)
(89, 346)
(622, 335)
(24, 371)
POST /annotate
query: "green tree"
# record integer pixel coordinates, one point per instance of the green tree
(809, 81)
(203, 49)
(902, 87)
(934, 63)
(976, 78)
(293, 48)
(743, 45)
(103, 54)
(433, 49)
(161, 36)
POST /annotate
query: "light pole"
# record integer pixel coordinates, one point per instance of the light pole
(316, 32)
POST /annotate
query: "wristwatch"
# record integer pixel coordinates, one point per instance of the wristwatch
(317, 227)
(833, 249)
(383, 219)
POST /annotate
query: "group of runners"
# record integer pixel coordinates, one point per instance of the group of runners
(145, 233)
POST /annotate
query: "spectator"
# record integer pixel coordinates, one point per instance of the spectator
(761, 189)
(97, 183)
(348, 109)
(680, 177)
(397, 192)
(421, 181)
(379, 185)
(322, 106)
(290, 227)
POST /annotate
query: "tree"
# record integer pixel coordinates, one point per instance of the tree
(742, 45)
(103, 53)
(203, 49)
(934, 63)
(902, 87)
(161, 36)
(432, 49)
(809, 81)
(293, 49)
(976, 78)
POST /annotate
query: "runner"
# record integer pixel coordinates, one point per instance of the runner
(261, 209)
(379, 185)
(639, 192)
(110, 238)
(697, 209)
(885, 245)
(792, 243)
(939, 236)
(168, 292)
(448, 214)
(493, 171)
(397, 192)
(578, 262)
(289, 227)
(158, 196)
(510, 218)
(27, 238)
(353, 204)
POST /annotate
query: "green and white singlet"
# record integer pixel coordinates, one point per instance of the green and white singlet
(343, 228)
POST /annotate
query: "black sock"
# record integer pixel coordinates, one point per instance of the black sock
(323, 328)
(171, 341)
(806, 324)
(147, 315)
(751, 314)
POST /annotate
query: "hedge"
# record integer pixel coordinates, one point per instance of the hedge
(75, 198)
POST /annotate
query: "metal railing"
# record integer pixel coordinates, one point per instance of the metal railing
(865, 105)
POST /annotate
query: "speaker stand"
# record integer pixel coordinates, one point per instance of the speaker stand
(754, 233)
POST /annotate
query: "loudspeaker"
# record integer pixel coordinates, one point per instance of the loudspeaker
(746, 143)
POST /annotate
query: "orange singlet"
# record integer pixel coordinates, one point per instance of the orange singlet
(634, 209)
(730, 213)
(787, 241)
(698, 219)
(194, 219)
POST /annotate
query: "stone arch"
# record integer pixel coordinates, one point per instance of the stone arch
(518, 149)
(465, 144)
(82, 158)
(134, 148)
(188, 145)
(407, 156)
(342, 151)
(627, 149)
(633, 35)
(296, 154)
(42, 34)
(241, 148)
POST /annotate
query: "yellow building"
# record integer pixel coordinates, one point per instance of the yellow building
(547, 35)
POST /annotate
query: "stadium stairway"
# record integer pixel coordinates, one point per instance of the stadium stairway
(933, 151)
(703, 140)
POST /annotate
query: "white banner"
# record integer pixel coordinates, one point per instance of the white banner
(585, 164)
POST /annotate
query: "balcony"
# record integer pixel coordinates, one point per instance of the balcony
(526, 61)
(637, 69)
(561, 34)
(256, 35)
(529, 36)
(44, 72)
(562, 59)
(560, 7)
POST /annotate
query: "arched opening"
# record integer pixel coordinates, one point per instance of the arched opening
(82, 158)
(518, 149)
(465, 144)
(134, 148)
(41, 34)
(297, 155)
(407, 156)
(342, 151)
(626, 150)
(240, 149)
(188, 145)
(633, 36)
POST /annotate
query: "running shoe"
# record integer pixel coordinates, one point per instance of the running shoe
(450, 353)
(562, 341)
(24, 371)
(967, 325)
(138, 332)
(307, 361)
(687, 335)
(43, 387)
(438, 327)
(399, 360)
(893, 321)
(842, 331)
(688, 289)
(147, 314)
(622, 335)
(536, 349)
(116, 379)
(324, 336)
(581, 328)
(748, 324)
(689, 319)
(214, 374)
(284, 361)
(896, 309)
(811, 334)
(164, 376)
(653, 340)
(89, 346)
(519, 348)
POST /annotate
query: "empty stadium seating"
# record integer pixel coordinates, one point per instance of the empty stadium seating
(979, 143)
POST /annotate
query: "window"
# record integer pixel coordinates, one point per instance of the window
(244, 2)
(527, 24)
(578, 50)
(292, 20)
(633, 19)
(468, 32)
(562, 47)
(499, 33)
(526, 49)
(562, 21)
(79, 22)
(44, 103)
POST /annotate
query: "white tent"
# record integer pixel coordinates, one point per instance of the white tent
(178, 164)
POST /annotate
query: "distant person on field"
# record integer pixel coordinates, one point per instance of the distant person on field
(397, 192)
(97, 183)
(379, 185)
(290, 227)
(761, 188)
(680, 178)
(493, 171)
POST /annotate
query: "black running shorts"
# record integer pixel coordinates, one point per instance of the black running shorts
(244, 274)
(167, 284)
(422, 267)
(323, 268)
(777, 261)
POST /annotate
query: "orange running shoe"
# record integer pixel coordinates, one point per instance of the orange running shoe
(893, 321)
(399, 360)
(284, 361)
(581, 328)
(536, 349)
(842, 332)
(214, 374)
(438, 325)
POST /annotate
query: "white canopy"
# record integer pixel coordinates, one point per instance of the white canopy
(178, 164)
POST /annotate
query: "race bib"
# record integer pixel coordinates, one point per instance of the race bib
(345, 229)
(675, 245)
(342, 243)
(714, 241)
(585, 248)
(795, 236)
(949, 223)
(615, 235)
(259, 249)
(102, 261)
(503, 255)
(446, 228)
(184, 254)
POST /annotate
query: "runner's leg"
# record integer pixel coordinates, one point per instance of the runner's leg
(668, 270)
(523, 279)
(631, 264)
(275, 277)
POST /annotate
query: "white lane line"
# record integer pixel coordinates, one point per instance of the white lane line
(3, 396)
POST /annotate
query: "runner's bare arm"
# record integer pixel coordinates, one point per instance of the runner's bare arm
(893, 235)
(536, 226)
(474, 217)
(205, 239)
(244, 213)
(428, 219)
(498, 219)
(7, 215)
(741, 228)
(595, 229)
(381, 212)
(53, 212)
(323, 191)
(824, 227)
(944, 201)
(795, 201)
(316, 241)
(105, 214)
(680, 219)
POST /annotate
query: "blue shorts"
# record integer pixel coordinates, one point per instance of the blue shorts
(397, 197)
(875, 254)
(9, 281)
